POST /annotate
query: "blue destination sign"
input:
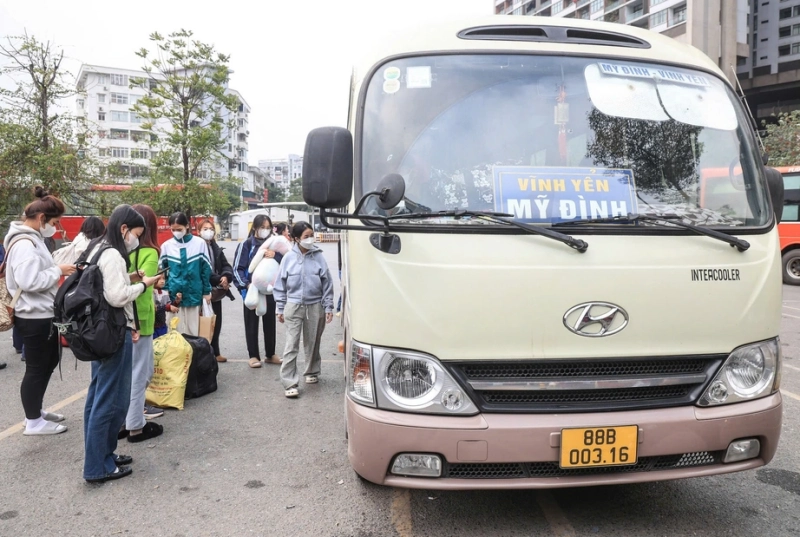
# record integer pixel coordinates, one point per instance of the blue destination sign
(550, 195)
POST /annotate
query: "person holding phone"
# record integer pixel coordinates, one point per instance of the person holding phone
(144, 261)
(189, 276)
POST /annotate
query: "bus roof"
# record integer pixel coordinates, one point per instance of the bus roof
(540, 35)
(788, 169)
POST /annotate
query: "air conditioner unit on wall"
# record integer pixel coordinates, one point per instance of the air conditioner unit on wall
(101, 109)
(105, 88)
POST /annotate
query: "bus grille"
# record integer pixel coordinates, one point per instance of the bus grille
(522, 470)
(585, 385)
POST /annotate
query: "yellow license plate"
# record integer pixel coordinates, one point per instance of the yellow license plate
(601, 446)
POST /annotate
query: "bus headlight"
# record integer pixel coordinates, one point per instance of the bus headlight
(750, 372)
(415, 382)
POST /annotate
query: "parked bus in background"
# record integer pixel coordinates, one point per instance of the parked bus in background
(789, 228)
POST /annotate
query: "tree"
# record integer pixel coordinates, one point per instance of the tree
(782, 140)
(191, 114)
(39, 142)
(296, 194)
(276, 194)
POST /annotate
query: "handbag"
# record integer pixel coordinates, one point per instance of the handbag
(7, 302)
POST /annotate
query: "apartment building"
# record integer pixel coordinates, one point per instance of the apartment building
(105, 101)
(717, 27)
(282, 171)
(770, 75)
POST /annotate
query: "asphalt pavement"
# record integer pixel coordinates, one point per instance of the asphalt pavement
(247, 461)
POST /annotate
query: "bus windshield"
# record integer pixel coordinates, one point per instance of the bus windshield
(553, 139)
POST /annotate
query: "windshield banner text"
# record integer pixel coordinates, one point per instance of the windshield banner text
(551, 195)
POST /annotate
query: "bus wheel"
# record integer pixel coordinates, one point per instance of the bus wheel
(791, 267)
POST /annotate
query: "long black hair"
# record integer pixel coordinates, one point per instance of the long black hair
(123, 214)
(298, 229)
(258, 221)
(179, 218)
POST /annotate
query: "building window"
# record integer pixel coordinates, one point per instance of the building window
(656, 2)
(140, 171)
(102, 80)
(101, 98)
(789, 12)
(765, 21)
(80, 103)
(119, 80)
(119, 116)
(796, 29)
(102, 133)
(658, 19)
(102, 152)
(101, 116)
(119, 98)
(678, 15)
(784, 31)
(741, 60)
(139, 136)
(119, 152)
(597, 5)
(784, 50)
(139, 153)
(117, 134)
(241, 123)
(796, 48)
(135, 118)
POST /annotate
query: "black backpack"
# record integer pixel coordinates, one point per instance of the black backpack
(93, 329)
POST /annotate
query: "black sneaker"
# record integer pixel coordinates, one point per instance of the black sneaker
(2, 365)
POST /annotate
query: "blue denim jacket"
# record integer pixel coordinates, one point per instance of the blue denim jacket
(304, 279)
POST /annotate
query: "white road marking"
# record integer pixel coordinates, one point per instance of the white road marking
(790, 394)
(14, 429)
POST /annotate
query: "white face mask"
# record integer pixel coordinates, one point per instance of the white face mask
(131, 242)
(207, 234)
(262, 233)
(179, 234)
(47, 230)
(307, 243)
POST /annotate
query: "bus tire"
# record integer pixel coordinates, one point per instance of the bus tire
(791, 267)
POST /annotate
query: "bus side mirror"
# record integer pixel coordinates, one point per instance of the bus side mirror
(775, 184)
(328, 168)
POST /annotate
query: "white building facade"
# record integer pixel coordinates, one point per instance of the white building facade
(105, 103)
(282, 171)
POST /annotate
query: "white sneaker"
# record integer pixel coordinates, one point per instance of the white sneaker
(47, 429)
(50, 416)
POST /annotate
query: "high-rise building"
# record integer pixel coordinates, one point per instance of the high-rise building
(105, 102)
(717, 27)
(282, 171)
(770, 75)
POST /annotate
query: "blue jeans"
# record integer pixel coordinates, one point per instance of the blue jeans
(106, 406)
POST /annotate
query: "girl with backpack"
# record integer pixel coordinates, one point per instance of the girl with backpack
(143, 259)
(189, 276)
(304, 299)
(221, 280)
(109, 394)
(259, 232)
(31, 271)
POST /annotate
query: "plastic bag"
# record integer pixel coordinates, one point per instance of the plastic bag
(172, 358)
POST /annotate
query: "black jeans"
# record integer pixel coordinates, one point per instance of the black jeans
(251, 329)
(41, 358)
(16, 339)
(217, 307)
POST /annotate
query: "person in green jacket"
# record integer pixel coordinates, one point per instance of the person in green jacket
(144, 260)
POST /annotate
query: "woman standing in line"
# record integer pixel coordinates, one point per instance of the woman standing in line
(259, 232)
(305, 303)
(91, 228)
(143, 260)
(31, 269)
(189, 274)
(221, 279)
(109, 393)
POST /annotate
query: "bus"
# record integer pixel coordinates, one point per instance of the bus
(789, 228)
(540, 287)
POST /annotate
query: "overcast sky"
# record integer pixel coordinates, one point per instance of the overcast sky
(291, 59)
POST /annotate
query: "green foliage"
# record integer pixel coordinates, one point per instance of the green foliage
(782, 140)
(296, 194)
(276, 193)
(39, 143)
(185, 105)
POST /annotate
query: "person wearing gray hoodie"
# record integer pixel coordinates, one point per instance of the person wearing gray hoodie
(31, 270)
(304, 301)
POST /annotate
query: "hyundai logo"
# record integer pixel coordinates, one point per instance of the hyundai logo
(596, 319)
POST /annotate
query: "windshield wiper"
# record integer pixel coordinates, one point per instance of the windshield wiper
(666, 221)
(504, 218)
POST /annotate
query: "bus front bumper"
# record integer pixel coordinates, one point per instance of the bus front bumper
(506, 451)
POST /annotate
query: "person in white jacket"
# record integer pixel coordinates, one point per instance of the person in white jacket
(91, 228)
(110, 389)
(31, 271)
